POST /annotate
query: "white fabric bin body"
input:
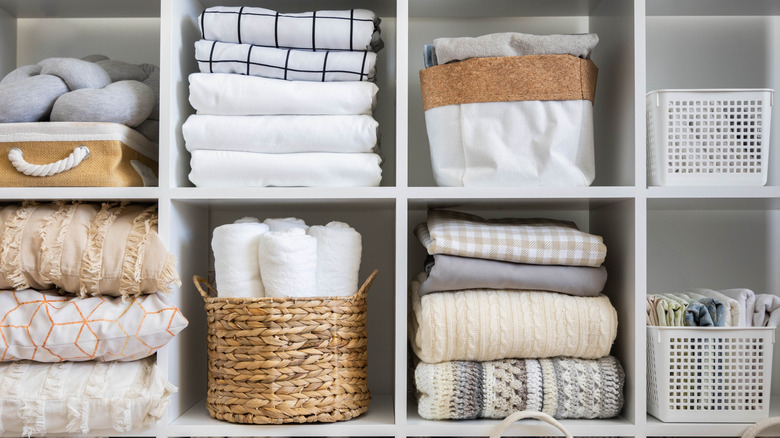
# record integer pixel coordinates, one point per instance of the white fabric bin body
(523, 143)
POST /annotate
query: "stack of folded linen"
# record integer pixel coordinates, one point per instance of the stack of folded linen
(284, 99)
(284, 257)
(83, 309)
(510, 316)
(713, 308)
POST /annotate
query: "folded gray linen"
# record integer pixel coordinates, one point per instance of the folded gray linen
(447, 273)
(513, 44)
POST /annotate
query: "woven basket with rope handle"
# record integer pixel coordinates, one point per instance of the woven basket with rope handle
(286, 360)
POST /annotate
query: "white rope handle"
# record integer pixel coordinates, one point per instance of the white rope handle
(753, 431)
(501, 428)
(75, 158)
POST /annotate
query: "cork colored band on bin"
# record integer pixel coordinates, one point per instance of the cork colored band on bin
(509, 79)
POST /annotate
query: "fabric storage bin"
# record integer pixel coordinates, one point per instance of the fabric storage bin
(712, 374)
(75, 154)
(286, 360)
(511, 121)
(708, 137)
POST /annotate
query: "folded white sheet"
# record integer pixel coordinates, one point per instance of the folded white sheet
(746, 300)
(281, 134)
(231, 94)
(250, 169)
(291, 65)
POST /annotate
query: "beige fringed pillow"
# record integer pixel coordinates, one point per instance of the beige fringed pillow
(85, 249)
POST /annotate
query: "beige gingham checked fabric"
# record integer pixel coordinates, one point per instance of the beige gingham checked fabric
(536, 241)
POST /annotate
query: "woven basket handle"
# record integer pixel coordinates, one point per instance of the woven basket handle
(200, 282)
(367, 284)
(754, 430)
(501, 428)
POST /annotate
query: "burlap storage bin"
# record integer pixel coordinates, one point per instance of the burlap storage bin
(511, 121)
(54, 154)
(286, 360)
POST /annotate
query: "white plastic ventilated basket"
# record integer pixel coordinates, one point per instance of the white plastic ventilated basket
(709, 374)
(708, 137)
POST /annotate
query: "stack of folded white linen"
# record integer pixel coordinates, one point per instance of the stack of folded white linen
(284, 99)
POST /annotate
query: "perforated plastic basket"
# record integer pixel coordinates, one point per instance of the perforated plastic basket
(708, 137)
(709, 374)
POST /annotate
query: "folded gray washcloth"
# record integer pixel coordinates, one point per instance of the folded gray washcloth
(513, 44)
(99, 105)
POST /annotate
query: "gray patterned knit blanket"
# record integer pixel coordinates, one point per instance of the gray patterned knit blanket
(561, 387)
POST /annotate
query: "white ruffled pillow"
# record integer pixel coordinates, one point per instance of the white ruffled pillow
(79, 397)
(48, 327)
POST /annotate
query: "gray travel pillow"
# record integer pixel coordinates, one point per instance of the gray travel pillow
(91, 89)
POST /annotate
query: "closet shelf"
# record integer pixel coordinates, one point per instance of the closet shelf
(378, 421)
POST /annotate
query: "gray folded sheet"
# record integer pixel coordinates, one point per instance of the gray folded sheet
(512, 44)
(446, 273)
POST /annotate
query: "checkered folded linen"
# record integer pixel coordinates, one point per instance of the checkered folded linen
(352, 29)
(537, 241)
(294, 65)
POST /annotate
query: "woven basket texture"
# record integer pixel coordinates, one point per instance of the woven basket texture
(286, 360)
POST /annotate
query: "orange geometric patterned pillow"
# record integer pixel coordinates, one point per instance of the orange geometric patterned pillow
(48, 327)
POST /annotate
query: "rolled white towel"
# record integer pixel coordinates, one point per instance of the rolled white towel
(247, 219)
(288, 263)
(339, 249)
(235, 259)
(285, 223)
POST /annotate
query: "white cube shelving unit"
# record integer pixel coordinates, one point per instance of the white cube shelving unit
(658, 238)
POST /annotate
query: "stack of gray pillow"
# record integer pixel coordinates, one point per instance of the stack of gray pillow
(91, 89)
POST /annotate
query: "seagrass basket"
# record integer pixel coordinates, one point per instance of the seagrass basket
(286, 360)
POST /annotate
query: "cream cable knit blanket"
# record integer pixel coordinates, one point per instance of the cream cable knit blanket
(561, 387)
(497, 324)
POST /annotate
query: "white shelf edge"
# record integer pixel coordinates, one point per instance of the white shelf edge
(416, 193)
(416, 426)
(714, 192)
(378, 421)
(48, 193)
(658, 427)
(286, 193)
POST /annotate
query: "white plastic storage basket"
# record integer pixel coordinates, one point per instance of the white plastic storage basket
(708, 137)
(709, 374)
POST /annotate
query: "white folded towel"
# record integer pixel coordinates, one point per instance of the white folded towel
(235, 259)
(747, 303)
(285, 223)
(339, 250)
(281, 134)
(288, 263)
(237, 95)
(767, 312)
(315, 169)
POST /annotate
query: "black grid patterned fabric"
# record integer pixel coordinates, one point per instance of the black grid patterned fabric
(288, 64)
(351, 29)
